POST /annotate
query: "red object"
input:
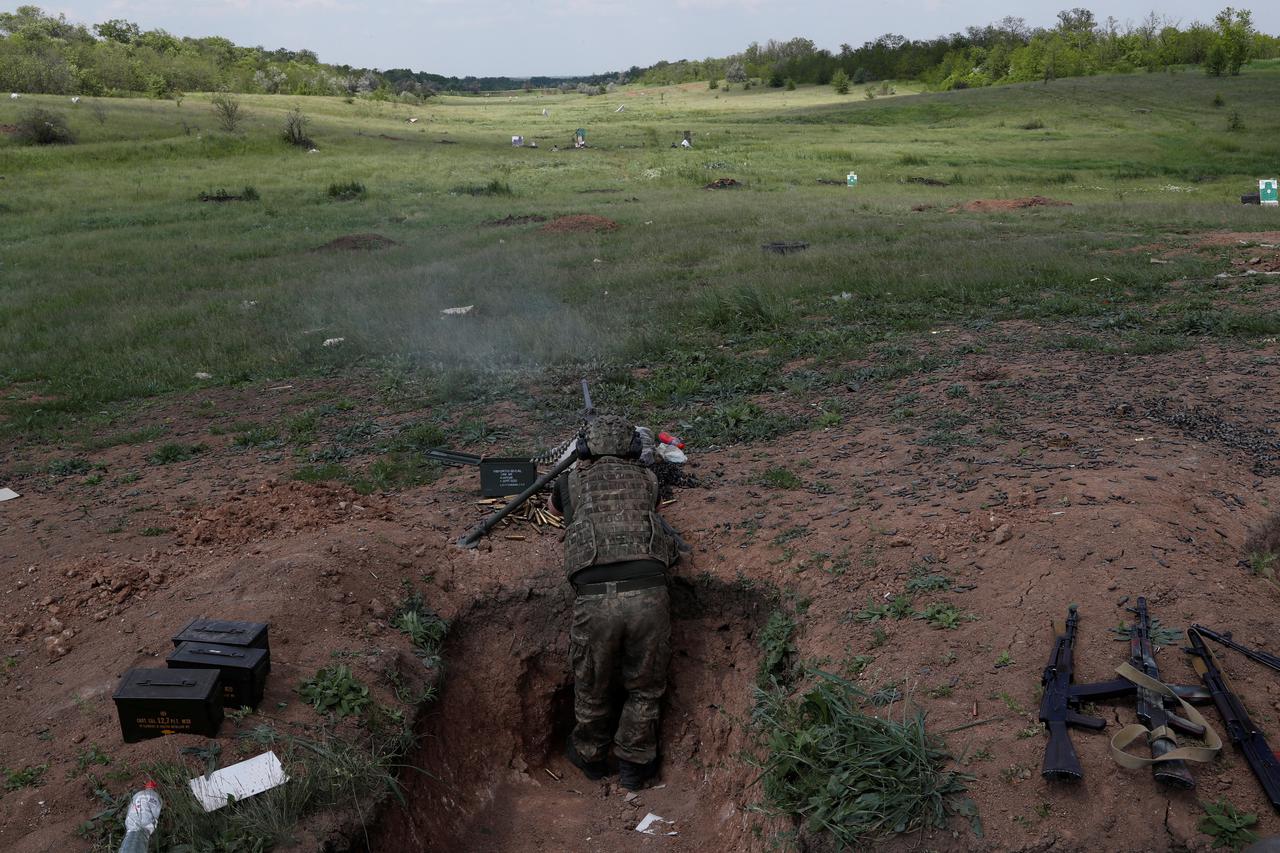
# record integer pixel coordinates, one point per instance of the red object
(150, 786)
(668, 438)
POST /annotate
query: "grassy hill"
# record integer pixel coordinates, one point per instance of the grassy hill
(120, 283)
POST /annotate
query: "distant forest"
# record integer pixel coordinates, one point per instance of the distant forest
(40, 52)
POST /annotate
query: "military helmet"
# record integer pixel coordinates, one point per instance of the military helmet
(611, 435)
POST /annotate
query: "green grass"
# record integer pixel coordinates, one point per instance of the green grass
(121, 285)
(856, 775)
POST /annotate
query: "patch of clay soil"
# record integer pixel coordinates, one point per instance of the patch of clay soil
(8, 128)
(357, 243)
(1056, 477)
(989, 205)
(512, 219)
(579, 223)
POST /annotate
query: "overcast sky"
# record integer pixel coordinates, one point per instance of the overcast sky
(506, 37)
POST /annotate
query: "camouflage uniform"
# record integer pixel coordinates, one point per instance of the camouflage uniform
(616, 555)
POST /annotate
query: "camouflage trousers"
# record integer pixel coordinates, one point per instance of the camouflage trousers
(628, 633)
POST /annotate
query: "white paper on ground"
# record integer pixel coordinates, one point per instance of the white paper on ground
(652, 824)
(8, 494)
(241, 780)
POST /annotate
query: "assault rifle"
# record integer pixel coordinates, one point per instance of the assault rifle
(1056, 708)
(1243, 733)
(1059, 705)
(1150, 705)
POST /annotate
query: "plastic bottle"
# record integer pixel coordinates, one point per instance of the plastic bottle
(141, 819)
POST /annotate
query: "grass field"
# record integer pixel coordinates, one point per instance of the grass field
(117, 283)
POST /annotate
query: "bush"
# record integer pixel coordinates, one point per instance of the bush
(714, 84)
(1234, 122)
(853, 774)
(494, 187)
(38, 126)
(840, 82)
(791, 85)
(226, 107)
(776, 80)
(346, 192)
(1034, 124)
(295, 129)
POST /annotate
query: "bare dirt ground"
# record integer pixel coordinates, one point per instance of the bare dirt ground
(1031, 479)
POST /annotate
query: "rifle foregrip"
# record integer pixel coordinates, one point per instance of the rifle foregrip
(1060, 760)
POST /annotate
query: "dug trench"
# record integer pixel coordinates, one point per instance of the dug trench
(493, 744)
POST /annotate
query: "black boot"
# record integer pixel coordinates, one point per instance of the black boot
(591, 769)
(633, 776)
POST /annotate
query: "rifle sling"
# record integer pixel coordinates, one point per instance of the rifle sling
(1129, 734)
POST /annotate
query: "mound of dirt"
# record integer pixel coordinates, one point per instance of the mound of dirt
(578, 223)
(275, 510)
(512, 219)
(358, 242)
(722, 184)
(988, 205)
(8, 128)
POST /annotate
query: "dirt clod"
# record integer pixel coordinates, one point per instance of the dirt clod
(358, 242)
(723, 184)
(579, 223)
(988, 205)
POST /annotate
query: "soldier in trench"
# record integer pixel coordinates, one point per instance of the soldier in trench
(616, 553)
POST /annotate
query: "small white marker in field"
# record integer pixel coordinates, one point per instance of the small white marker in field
(202, 375)
(8, 495)
(332, 342)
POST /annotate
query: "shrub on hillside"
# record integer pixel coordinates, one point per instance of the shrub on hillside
(38, 126)
(295, 129)
(840, 82)
(227, 109)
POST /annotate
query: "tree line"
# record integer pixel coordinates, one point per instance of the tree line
(44, 53)
(1009, 51)
(40, 52)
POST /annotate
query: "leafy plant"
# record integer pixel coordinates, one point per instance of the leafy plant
(335, 690)
(778, 648)
(854, 775)
(922, 581)
(167, 454)
(1004, 660)
(425, 628)
(27, 777)
(1226, 826)
(945, 616)
(1263, 564)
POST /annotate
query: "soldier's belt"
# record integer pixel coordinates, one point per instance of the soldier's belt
(629, 585)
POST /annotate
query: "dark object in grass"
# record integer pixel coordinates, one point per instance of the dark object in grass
(512, 219)
(494, 187)
(445, 142)
(38, 126)
(783, 247)
(348, 191)
(1251, 198)
(830, 183)
(671, 477)
(221, 195)
(357, 242)
(928, 182)
(723, 184)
